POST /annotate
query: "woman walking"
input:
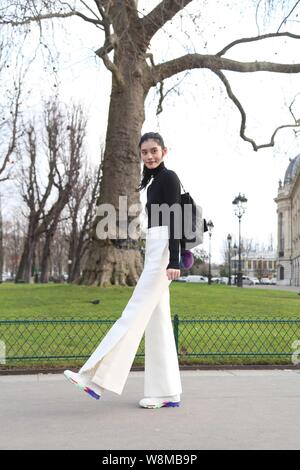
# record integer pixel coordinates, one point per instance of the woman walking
(148, 309)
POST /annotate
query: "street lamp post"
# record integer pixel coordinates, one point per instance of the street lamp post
(210, 226)
(239, 203)
(229, 238)
(235, 250)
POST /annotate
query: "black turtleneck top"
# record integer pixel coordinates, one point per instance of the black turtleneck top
(165, 188)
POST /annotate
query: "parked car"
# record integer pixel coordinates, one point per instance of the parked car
(247, 280)
(196, 278)
(254, 281)
(219, 280)
(265, 281)
(7, 277)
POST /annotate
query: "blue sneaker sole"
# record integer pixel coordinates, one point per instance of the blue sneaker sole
(83, 388)
(172, 404)
(166, 404)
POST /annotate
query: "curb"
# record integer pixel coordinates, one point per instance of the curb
(60, 370)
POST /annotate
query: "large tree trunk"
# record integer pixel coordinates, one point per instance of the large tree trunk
(73, 253)
(120, 261)
(76, 253)
(75, 269)
(25, 267)
(24, 272)
(46, 257)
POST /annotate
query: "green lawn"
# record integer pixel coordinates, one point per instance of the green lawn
(189, 301)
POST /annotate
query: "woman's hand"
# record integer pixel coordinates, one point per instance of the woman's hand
(173, 274)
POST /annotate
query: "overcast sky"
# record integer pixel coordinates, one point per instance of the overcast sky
(200, 125)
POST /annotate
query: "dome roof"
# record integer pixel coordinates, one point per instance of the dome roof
(292, 170)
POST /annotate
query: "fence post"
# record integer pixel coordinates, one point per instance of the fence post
(176, 330)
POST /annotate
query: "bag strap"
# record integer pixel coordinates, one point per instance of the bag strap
(182, 185)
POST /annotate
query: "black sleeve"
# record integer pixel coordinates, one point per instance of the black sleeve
(171, 192)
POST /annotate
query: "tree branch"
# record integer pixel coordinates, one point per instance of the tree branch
(162, 13)
(163, 95)
(111, 42)
(256, 38)
(90, 9)
(243, 116)
(212, 62)
(284, 20)
(131, 9)
(105, 18)
(14, 131)
(47, 16)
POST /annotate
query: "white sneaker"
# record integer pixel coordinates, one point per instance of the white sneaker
(160, 402)
(84, 384)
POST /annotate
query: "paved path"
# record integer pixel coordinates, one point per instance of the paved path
(250, 409)
(276, 287)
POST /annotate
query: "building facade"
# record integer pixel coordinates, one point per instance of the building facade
(256, 264)
(288, 217)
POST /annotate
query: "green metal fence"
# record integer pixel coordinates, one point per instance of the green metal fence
(214, 341)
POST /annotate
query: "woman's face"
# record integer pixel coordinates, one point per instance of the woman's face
(151, 153)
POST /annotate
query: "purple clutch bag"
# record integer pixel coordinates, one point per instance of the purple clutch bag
(186, 260)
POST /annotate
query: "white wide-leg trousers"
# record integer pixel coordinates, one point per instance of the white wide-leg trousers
(147, 311)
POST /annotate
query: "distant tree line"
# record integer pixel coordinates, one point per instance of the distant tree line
(48, 235)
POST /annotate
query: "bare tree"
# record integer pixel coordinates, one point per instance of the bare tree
(59, 254)
(72, 157)
(126, 52)
(45, 205)
(13, 239)
(9, 112)
(73, 233)
(82, 208)
(9, 134)
(247, 246)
